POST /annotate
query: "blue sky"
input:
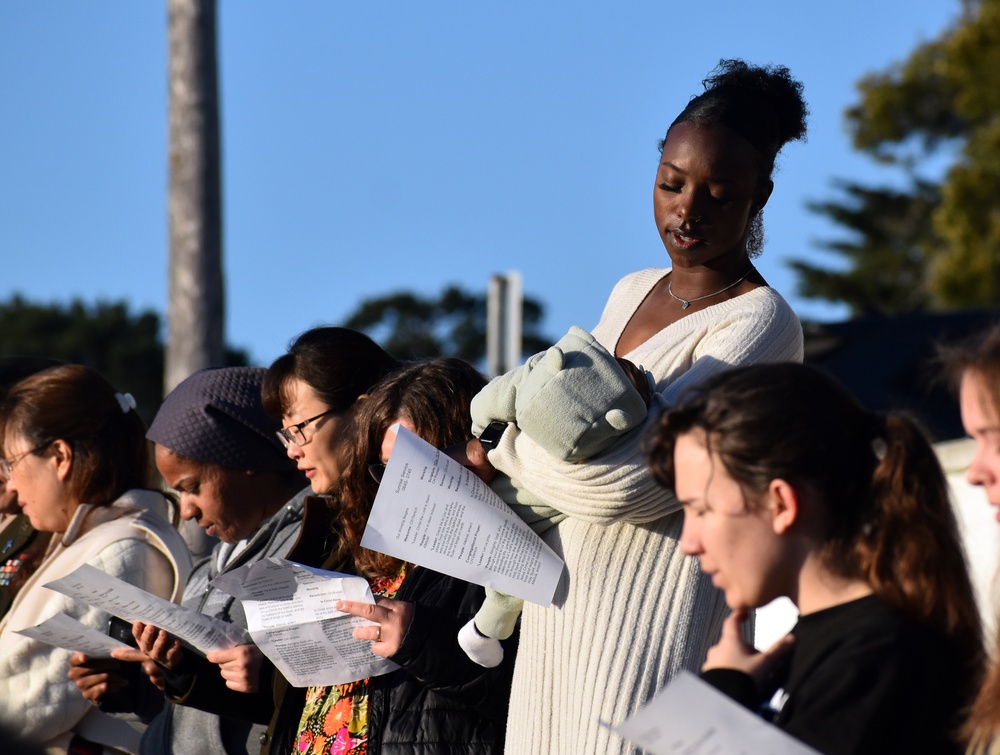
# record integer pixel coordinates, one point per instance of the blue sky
(373, 147)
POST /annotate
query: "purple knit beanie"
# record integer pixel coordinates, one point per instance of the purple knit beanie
(215, 416)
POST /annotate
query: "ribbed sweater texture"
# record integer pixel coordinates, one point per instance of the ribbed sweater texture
(631, 610)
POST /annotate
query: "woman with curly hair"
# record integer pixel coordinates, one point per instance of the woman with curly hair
(439, 702)
(632, 610)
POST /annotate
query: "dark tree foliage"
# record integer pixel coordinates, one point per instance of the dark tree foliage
(411, 326)
(907, 111)
(938, 105)
(885, 255)
(125, 347)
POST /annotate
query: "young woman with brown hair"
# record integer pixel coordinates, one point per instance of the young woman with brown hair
(791, 488)
(974, 368)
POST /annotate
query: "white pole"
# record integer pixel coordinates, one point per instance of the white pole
(504, 322)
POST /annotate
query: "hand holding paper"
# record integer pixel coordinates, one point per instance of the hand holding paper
(158, 645)
(65, 632)
(292, 615)
(239, 666)
(391, 619)
(128, 602)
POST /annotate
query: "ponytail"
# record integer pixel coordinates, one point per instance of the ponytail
(887, 518)
(909, 550)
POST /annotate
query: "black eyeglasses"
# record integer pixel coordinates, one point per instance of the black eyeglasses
(294, 435)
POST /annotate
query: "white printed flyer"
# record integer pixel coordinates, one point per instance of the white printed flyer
(432, 511)
(291, 617)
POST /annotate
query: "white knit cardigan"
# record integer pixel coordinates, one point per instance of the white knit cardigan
(631, 610)
(131, 539)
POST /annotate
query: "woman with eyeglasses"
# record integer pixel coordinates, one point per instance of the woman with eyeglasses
(215, 447)
(22, 547)
(335, 366)
(75, 454)
(314, 388)
(439, 702)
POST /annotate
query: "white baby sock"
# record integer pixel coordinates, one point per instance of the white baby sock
(485, 651)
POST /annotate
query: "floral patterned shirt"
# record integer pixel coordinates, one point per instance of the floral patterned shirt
(335, 719)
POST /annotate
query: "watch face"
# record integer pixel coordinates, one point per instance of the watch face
(491, 435)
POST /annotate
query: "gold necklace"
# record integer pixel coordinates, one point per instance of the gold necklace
(685, 303)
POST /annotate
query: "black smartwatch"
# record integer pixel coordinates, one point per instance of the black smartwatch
(491, 435)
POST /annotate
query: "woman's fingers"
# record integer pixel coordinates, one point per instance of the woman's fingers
(94, 677)
(390, 620)
(731, 651)
(471, 454)
(155, 673)
(157, 644)
(239, 666)
(129, 654)
(357, 608)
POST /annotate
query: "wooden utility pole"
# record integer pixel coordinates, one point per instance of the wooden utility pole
(196, 311)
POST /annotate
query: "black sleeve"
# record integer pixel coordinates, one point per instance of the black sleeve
(874, 698)
(197, 683)
(139, 695)
(430, 652)
(735, 684)
(852, 705)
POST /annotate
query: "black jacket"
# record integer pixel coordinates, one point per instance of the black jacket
(439, 702)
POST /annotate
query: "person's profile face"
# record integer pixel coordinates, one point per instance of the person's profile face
(319, 459)
(736, 545)
(705, 194)
(980, 420)
(39, 485)
(222, 501)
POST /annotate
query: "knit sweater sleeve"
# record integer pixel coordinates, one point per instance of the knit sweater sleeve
(616, 484)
